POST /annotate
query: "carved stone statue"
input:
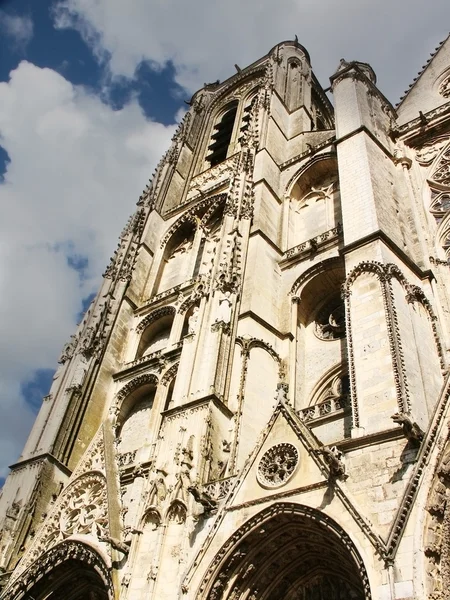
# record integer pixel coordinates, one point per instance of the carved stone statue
(224, 310)
(193, 321)
(68, 350)
(412, 432)
(334, 459)
(202, 498)
(282, 390)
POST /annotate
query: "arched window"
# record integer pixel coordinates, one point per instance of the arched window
(329, 413)
(134, 418)
(315, 202)
(174, 267)
(156, 336)
(221, 137)
(321, 337)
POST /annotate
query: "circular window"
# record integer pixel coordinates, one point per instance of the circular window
(277, 465)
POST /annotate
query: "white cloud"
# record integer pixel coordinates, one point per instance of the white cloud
(205, 39)
(77, 167)
(18, 29)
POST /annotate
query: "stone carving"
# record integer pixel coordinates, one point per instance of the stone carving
(202, 497)
(192, 216)
(412, 432)
(217, 490)
(126, 459)
(428, 152)
(118, 545)
(149, 378)
(122, 263)
(81, 509)
(169, 374)
(154, 316)
(177, 513)
(66, 551)
(277, 465)
(199, 291)
(384, 273)
(334, 398)
(330, 322)
(334, 459)
(91, 336)
(222, 569)
(224, 309)
(193, 321)
(437, 540)
(441, 174)
(445, 240)
(202, 183)
(440, 209)
(312, 245)
(183, 477)
(229, 274)
(444, 88)
(68, 350)
(94, 336)
(316, 194)
(282, 392)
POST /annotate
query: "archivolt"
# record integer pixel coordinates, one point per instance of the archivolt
(192, 216)
(170, 374)
(148, 378)
(247, 344)
(154, 316)
(326, 265)
(305, 167)
(282, 548)
(64, 553)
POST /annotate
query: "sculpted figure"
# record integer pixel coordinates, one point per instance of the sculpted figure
(411, 431)
(224, 310)
(193, 321)
(333, 457)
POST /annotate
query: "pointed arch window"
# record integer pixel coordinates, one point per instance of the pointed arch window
(222, 134)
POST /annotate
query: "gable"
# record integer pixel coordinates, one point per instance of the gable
(427, 93)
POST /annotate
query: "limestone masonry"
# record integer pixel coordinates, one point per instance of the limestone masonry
(256, 404)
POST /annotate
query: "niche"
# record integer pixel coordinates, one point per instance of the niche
(156, 336)
(175, 263)
(315, 202)
(134, 418)
(321, 331)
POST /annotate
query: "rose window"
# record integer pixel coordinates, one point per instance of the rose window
(277, 465)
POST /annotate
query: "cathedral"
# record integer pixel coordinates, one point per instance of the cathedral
(256, 405)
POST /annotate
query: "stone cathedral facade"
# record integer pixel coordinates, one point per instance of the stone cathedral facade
(256, 404)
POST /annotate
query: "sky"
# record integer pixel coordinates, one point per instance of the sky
(90, 94)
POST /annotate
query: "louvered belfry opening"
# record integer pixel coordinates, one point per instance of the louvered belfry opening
(245, 124)
(221, 137)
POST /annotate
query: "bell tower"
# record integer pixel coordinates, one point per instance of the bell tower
(253, 406)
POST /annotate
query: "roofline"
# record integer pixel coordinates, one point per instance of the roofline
(420, 73)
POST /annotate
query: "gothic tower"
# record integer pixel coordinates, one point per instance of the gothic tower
(255, 405)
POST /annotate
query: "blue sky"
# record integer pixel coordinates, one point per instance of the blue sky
(90, 92)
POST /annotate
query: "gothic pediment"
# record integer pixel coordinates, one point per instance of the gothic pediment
(283, 463)
(431, 88)
(289, 465)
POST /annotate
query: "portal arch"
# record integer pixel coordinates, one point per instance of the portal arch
(69, 571)
(287, 552)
